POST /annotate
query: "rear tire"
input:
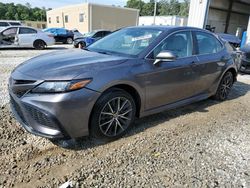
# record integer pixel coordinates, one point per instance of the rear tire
(69, 40)
(39, 45)
(112, 116)
(225, 86)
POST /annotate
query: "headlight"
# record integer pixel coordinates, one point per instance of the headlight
(60, 86)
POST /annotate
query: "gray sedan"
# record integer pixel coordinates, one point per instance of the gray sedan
(133, 72)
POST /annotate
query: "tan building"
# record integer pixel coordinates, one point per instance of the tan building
(35, 24)
(88, 16)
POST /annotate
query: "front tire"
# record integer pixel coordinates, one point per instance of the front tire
(112, 115)
(225, 86)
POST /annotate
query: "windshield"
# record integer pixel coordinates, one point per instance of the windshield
(90, 34)
(129, 41)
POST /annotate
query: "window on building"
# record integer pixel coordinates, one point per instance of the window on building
(49, 19)
(81, 17)
(57, 19)
(66, 18)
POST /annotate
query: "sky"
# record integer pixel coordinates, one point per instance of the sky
(60, 3)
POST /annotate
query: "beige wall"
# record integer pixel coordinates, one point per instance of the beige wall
(95, 17)
(112, 18)
(35, 24)
(73, 12)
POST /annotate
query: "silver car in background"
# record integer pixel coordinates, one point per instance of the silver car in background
(25, 37)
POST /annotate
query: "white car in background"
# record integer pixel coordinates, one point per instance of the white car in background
(7, 23)
(27, 37)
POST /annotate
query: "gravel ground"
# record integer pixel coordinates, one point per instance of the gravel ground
(205, 144)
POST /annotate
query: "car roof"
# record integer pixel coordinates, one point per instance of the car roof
(166, 28)
(20, 26)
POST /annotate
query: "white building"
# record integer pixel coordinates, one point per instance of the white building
(163, 20)
(226, 16)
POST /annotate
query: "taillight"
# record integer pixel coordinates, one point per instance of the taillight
(50, 35)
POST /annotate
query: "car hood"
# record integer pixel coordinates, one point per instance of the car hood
(65, 65)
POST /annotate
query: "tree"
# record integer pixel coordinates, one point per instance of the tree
(10, 11)
(164, 7)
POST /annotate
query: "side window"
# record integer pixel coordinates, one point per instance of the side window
(179, 43)
(106, 33)
(98, 34)
(10, 32)
(24, 30)
(3, 24)
(61, 31)
(207, 43)
(14, 23)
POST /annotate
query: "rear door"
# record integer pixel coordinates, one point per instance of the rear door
(211, 60)
(26, 36)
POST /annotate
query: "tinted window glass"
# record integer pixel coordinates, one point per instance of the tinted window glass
(207, 43)
(98, 34)
(27, 31)
(10, 31)
(179, 43)
(106, 33)
(3, 24)
(61, 31)
(14, 23)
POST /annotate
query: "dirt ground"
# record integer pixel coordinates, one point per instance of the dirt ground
(206, 144)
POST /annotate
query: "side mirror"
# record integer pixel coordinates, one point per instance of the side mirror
(165, 56)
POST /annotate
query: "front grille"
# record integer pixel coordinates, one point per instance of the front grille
(18, 110)
(20, 87)
(40, 117)
(24, 82)
(248, 55)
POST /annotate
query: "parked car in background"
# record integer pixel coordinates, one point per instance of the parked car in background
(22, 36)
(6, 23)
(245, 59)
(90, 38)
(77, 34)
(133, 72)
(61, 35)
(232, 39)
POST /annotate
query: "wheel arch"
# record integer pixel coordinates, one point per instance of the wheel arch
(39, 40)
(125, 87)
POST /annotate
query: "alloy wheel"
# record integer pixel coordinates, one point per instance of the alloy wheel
(226, 86)
(115, 116)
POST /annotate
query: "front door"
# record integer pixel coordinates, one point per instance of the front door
(8, 37)
(26, 36)
(169, 82)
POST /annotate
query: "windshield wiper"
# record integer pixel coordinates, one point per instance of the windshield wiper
(104, 52)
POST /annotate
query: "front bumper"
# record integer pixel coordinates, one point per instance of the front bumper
(64, 115)
(245, 66)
